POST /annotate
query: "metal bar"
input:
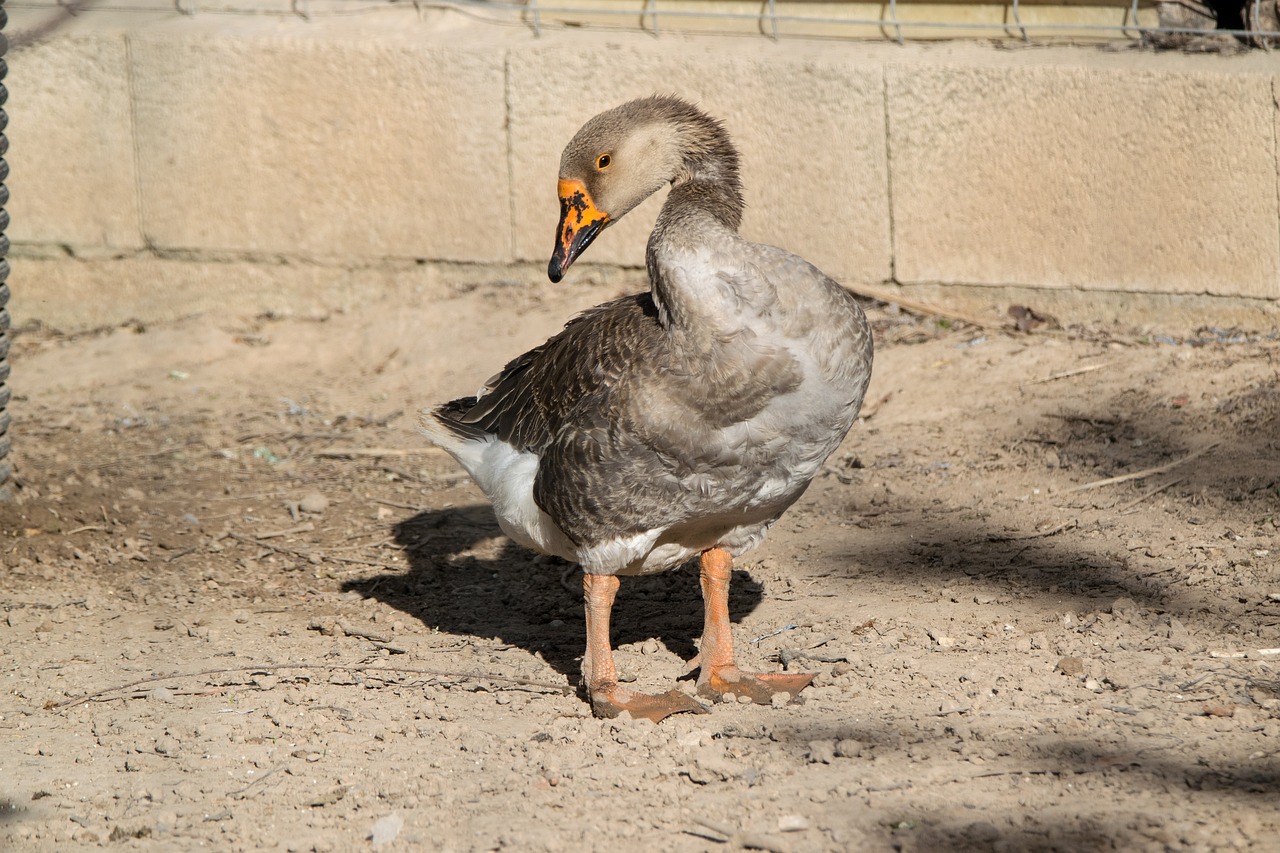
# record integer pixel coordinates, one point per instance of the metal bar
(892, 16)
(1017, 19)
(772, 8)
(651, 9)
(899, 28)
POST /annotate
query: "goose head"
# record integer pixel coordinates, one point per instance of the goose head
(626, 154)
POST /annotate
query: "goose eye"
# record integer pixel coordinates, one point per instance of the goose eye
(603, 161)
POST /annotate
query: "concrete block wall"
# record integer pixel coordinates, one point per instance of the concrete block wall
(154, 153)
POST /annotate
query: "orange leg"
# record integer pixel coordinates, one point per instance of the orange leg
(720, 675)
(608, 699)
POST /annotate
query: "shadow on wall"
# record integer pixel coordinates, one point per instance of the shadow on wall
(517, 597)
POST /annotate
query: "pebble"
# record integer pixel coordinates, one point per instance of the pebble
(650, 647)
(386, 829)
(780, 700)
(313, 502)
(1070, 666)
(848, 748)
(793, 823)
(1179, 636)
(821, 751)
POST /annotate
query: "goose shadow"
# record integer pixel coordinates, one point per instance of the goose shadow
(455, 584)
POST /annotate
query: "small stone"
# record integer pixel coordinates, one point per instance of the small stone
(166, 745)
(650, 647)
(848, 748)
(982, 833)
(1070, 666)
(161, 694)
(744, 700)
(821, 751)
(313, 502)
(1122, 604)
(386, 829)
(780, 700)
(793, 823)
(1092, 684)
(694, 738)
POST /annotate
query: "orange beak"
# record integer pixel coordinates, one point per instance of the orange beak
(580, 222)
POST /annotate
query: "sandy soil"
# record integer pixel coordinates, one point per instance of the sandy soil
(1006, 660)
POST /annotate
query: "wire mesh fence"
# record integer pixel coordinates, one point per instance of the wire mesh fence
(6, 469)
(1188, 24)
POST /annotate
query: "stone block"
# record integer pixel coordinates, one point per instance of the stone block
(1062, 175)
(810, 133)
(73, 180)
(259, 141)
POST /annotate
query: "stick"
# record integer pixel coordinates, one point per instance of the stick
(348, 629)
(915, 306)
(306, 555)
(1069, 373)
(239, 792)
(750, 840)
(305, 527)
(1084, 418)
(1148, 494)
(435, 673)
(1053, 531)
(374, 452)
(1146, 472)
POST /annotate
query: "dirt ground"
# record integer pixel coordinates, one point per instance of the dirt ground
(245, 607)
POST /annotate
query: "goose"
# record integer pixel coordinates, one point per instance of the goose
(671, 424)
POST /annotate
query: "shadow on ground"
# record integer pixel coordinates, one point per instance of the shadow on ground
(531, 602)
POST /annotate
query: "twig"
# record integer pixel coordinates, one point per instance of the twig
(1148, 494)
(374, 452)
(239, 792)
(401, 505)
(1146, 472)
(757, 640)
(87, 527)
(305, 527)
(867, 412)
(1083, 418)
(1052, 531)
(326, 628)
(750, 840)
(435, 673)
(1066, 374)
(917, 307)
(307, 555)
